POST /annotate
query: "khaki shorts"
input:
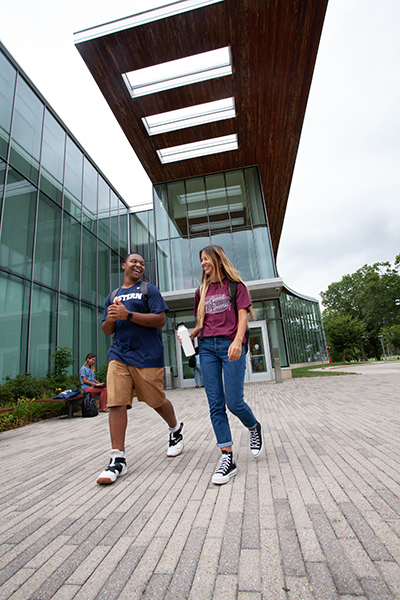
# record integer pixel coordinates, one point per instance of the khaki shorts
(123, 380)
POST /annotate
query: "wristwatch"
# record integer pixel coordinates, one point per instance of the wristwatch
(129, 316)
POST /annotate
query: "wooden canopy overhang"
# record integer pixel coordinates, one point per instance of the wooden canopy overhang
(273, 46)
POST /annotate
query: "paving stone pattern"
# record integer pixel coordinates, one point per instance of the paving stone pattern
(316, 517)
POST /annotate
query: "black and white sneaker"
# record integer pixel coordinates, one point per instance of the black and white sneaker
(116, 468)
(256, 440)
(226, 469)
(175, 445)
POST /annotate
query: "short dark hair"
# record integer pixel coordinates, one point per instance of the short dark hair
(130, 254)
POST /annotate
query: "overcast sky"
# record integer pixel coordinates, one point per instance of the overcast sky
(344, 204)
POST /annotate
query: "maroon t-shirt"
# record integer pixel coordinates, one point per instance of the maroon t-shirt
(220, 315)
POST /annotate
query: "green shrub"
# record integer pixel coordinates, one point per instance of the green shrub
(26, 411)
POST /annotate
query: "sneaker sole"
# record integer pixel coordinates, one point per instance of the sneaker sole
(225, 479)
(108, 481)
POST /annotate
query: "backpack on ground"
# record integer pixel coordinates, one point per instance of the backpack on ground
(89, 406)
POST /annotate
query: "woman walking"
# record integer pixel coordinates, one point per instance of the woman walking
(221, 327)
(90, 384)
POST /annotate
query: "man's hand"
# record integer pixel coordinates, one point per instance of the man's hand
(117, 311)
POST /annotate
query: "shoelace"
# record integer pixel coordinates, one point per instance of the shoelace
(225, 464)
(115, 466)
(255, 441)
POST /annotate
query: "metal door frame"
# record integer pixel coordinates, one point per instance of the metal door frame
(269, 374)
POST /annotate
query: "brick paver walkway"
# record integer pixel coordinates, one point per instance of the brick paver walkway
(316, 517)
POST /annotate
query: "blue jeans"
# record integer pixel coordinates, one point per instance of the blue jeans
(224, 382)
(197, 375)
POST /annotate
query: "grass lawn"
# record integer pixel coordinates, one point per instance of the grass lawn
(309, 372)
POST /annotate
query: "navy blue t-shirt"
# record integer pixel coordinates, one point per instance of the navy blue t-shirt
(136, 345)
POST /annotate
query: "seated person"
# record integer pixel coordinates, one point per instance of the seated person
(90, 384)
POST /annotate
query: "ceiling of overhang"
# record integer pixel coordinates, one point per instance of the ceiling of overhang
(274, 47)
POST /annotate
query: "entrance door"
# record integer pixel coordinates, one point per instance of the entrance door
(258, 359)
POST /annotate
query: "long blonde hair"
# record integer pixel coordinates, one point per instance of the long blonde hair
(89, 356)
(223, 267)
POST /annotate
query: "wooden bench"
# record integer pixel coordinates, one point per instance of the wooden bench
(70, 402)
(4, 410)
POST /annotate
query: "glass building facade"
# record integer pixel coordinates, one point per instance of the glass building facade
(304, 329)
(63, 231)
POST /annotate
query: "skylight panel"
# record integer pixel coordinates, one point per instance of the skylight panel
(203, 148)
(148, 16)
(176, 73)
(190, 116)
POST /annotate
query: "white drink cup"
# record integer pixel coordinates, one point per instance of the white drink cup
(187, 343)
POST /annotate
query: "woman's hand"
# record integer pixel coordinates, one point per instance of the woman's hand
(235, 350)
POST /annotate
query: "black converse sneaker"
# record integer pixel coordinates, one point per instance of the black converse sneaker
(175, 446)
(226, 469)
(116, 468)
(256, 440)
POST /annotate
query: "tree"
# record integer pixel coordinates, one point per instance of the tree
(344, 333)
(372, 294)
(391, 335)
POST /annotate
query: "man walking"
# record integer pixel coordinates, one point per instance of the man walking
(136, 362)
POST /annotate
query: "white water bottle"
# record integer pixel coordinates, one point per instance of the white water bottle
(187, 343)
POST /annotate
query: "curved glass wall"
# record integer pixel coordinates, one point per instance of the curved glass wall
(60, 249)
(304, 329)
(226, 209)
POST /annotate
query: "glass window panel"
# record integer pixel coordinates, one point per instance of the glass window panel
(196, 207)
(47, 250)
(114, 222)
(52, 166)
(277, 340)
(68, 327)
(169, 351)
(88, 276)
(245, 259)
(238, 206)
(177, 209)
(42, 342)
(123, 232)
(272, 309)
(103, 343)
(14, 313)
(73, 180)
(217, 204)
(7, 87)
(225, 241)
(116, 271)
(104, 212)
(255, 196)
(27, 132)
(164, 266)
(161, 211)
(70, 256)
(139, 237)
(16, 241)
(151, 223)
(181, 269)
(103, 277)
(263, 250)
(258, 310)
(197, 244)
(2, 180)
(89, 208)
(88, 328)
